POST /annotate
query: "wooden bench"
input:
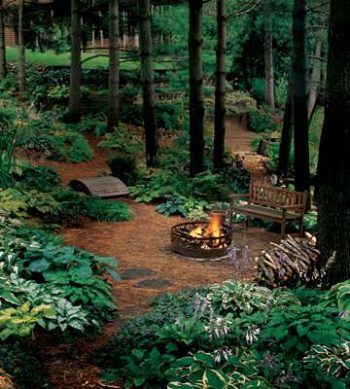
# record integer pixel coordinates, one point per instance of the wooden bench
(272, 203)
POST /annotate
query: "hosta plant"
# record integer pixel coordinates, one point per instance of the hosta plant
(333, 362)
(20, 321)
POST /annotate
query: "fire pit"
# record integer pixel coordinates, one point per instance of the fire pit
(202, 239)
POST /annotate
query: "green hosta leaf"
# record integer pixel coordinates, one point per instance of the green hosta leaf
(81, 271)
(9, 297)
(214, 379)
(206, 359)
(110, 261)
(115, 276)
(179, 385)
(39, 266)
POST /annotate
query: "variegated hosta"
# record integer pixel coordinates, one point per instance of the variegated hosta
(340, 295)
(238, 297)
(334, 360)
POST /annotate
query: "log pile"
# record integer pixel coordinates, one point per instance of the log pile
(291, 260)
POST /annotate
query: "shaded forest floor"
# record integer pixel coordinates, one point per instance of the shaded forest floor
(147, 265)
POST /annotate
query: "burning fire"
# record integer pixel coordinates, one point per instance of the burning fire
(213, 229)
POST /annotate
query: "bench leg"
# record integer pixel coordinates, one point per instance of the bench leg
(301, 227)
(247, 222)
(283, 229)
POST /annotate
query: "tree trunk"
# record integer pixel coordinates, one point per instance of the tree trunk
(334, 166)
(149, 115)
(287, 132)
(220, 92)
(195, 41)
(21, 52)
(2, 42)
(315, 79)
(75, 67)
(113, 101)
(268, 56)
(299, 69)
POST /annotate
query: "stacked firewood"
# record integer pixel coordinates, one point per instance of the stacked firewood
(288, 261)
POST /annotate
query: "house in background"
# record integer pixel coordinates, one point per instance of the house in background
(96, 33)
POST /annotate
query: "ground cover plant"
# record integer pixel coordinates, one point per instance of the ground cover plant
(170, 185)
(234, 335)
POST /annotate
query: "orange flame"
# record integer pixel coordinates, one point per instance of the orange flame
(216, 222)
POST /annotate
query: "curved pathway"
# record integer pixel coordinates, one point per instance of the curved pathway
(150, 268)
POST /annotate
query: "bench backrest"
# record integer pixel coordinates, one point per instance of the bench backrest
(274, 197)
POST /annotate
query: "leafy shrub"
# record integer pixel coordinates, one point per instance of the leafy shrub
(123, 141)
(63, 283)
(19, 203)
(20, 321)
(41, 203)
(129, 92)
(8, 144)
(42, 178)
(55, 140)
(233, 335)
(131, 114)
(72, 206)
(96, 125)
(340, 296)
(21, 363)
(281, 91)
(258, 89)
(109, 211)
(332, 363)
(170, 115)
(183, 206)
(123, 167)
(13, 202)
(260, 121)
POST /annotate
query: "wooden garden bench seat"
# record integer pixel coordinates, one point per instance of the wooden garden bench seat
(271, 203)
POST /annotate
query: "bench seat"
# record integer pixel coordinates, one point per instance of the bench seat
(262, 212)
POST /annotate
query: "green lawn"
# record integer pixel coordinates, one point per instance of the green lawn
(50, 58)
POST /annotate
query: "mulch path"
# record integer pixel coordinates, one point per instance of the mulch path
(141, 247)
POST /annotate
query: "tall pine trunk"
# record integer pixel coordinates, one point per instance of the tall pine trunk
(268, 55)
(195, 41)
(149, 114)
(113, 98)
(334, 165)
(21, 52)
(299, 70)
(220, 91)
(2, 42)
(287, 133)
(75, 67)
(315, 79)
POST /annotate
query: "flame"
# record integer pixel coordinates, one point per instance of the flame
(212, 230)
(197, 233)
(214, 227)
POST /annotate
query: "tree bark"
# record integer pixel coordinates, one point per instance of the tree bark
(2, 42)
(149, 114)
(315, 79)
(195, 41)
(220, 91)
(268, 56)
(75, 67)
(299, 69)
(113, 101)
(334, 166)
(21, 52)
(287, 133)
